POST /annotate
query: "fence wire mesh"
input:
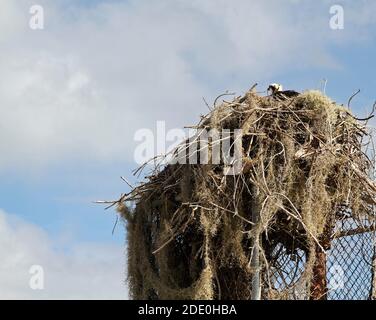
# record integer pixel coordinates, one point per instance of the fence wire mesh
(350, 265)
(350, 262)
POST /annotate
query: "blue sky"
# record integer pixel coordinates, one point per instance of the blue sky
(73, 95)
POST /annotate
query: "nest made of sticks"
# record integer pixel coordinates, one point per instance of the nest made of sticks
(192, 232)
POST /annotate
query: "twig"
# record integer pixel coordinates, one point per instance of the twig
(222, 95)
(348, 103)
(116, 221)
(206, 103)
(127, 182)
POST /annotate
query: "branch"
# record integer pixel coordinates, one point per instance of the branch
(348, 103)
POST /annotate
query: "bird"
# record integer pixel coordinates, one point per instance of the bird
(274, 87)
(276, 90)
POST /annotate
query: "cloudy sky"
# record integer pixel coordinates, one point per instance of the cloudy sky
(73, 95)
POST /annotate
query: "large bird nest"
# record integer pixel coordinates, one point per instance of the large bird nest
(194, 231)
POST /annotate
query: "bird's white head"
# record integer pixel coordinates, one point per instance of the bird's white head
(274, 87)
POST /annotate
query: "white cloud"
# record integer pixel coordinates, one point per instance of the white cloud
(86, 271)
(79, 89)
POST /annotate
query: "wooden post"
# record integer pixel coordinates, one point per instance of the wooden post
(319, 281)
(319, 284)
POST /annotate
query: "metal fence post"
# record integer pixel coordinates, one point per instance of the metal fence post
(255, 261)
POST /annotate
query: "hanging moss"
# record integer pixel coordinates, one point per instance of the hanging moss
(191, 234)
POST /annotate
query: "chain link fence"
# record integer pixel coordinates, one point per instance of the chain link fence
(351, 262)
(350, 266)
